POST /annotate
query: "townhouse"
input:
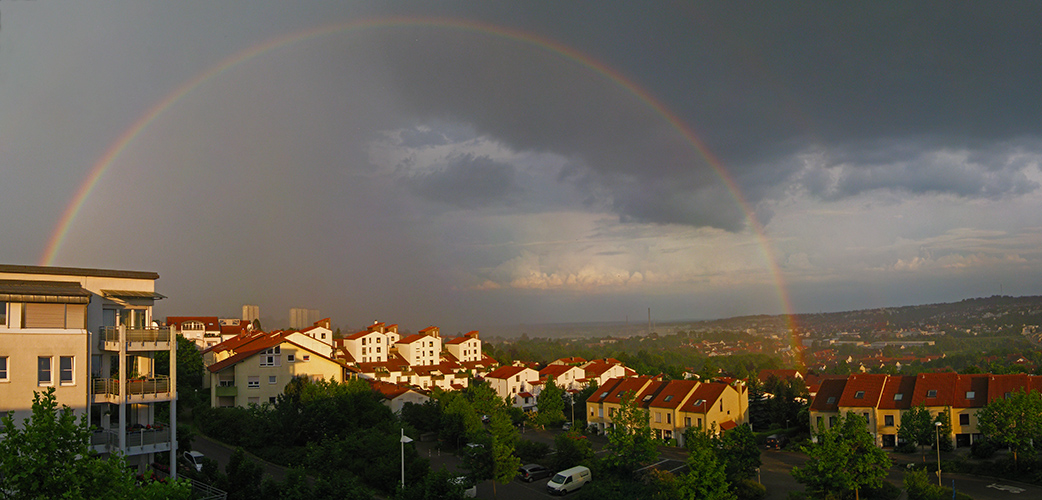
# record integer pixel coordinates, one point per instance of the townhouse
(883, 399)
(567, 377)
(673, 406)
(90, 335)
(602, 370)
(397, 396)
(256, 369)
(516, 384)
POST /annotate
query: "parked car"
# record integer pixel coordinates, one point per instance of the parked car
(567, 426)
(776, 441)
(531, 472)
(569, 480)
(194, 459)
(468, 492)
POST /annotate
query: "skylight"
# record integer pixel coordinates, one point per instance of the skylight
(669, 398)
(859, 395)
(898, 396)
(970, 394)
(932, 393)
(832, 399)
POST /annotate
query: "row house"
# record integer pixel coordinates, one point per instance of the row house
(603, 370)
(447, 376)
(516, 384)
(673, 406)
(89, 334)
(397, 396)
(256, 369)
(883, 399)
(567, 377)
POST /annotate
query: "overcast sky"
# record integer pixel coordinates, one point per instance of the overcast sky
(478, 163)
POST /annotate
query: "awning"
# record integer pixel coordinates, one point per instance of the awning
(131, 294)
(55, 292)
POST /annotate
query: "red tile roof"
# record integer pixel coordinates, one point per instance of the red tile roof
(628, 385)
(863, 390)
(708, 394)
(674, 393)
(457, 340)
(935, 389)
(897, 393)
(505, 372)
(605, 390)
(971, 391)
(828, 395)
(410, 339)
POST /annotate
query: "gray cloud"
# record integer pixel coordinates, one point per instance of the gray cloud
(466, 181)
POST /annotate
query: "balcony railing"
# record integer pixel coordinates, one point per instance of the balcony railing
(135, 387)
(154, 335)
(135, 438)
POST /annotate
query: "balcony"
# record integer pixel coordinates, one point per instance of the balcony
(138, 390)
(140, 440)
(137, 339)
(222, 391)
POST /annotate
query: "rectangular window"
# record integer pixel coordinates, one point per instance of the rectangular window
(253, 381)
(44, 316)
(964, 419)
(819, 422)
(65, 370)
(272, 379)
(600, 412)
(3, 369)
(3, 313)
(970, 394)
(687, 421)
(700, 422)
(658, 417)
(307, 357)
(43, 371)
(669, 418)
(271, 399)
(888, 420)
(290, 358)
(932, 393)
(859, 395)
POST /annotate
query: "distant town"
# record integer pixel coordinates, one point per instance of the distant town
(147, 386)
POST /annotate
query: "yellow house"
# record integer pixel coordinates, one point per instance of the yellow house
(259, 370)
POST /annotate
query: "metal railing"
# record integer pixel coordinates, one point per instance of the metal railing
(155, 335)
(136, 437)
(135, 387)
(203, 491)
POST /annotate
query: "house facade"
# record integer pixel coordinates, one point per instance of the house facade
(89, 334)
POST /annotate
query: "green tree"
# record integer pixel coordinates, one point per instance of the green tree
(738, 451)
(706, 477)
(504, 439)
(551, 404)
(50, 456)
(1014, 421)
(630, 442)
(845, 459)
(572, 448)
(917, 427)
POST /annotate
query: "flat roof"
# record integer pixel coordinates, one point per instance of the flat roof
(78, 271)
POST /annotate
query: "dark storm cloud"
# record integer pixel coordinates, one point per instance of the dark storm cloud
(466, 181)
(760, 84)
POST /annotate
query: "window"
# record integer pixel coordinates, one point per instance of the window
(970, 394)
(898, 396)
(193, 326)
(819, 422)
(65, 370)
(669, 418)
(377, 338)
(600, 412)
(832, 421)
(377, 349)
(272, 379)
(271, 399)
(859, 395)
(307, 357)
(668, 398)
(253, 381)
(932, 393)
(290, 358)
(658, 417)
(831, 400)
(687, 421)
(43, 371)
(888, 420)
(271, 357)
(3, 313)
(964, 419)
(3, 369)
(700, 422)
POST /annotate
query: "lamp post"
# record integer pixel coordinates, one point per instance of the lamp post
(937, 427)
(405, 439)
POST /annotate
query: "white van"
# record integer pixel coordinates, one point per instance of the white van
(569, 480)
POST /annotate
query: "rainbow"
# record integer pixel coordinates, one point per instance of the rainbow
(551, 46)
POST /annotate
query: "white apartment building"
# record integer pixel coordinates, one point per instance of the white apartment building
(422, 349)
(515, 382)
(465, 348)
(89, 334)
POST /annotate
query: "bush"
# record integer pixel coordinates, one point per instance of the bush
(982, 448)
(886, 491)
(530, 451)
(918, 485)
(747, 489)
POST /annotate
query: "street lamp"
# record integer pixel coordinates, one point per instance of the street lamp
(937, 426)
(405, 439)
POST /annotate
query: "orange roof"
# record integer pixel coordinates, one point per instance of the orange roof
(363, 333)
(505, 372)
(556, 370)
(674, 393)
(728, 425)
(458, 340)
(897, 392)
(411, 338)
(935, 389)
(210, 322)
(705, 395)
(863, 390)
(387, 389)
(828, 395)
(633, 385)
(605, 390)
(257, 345)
